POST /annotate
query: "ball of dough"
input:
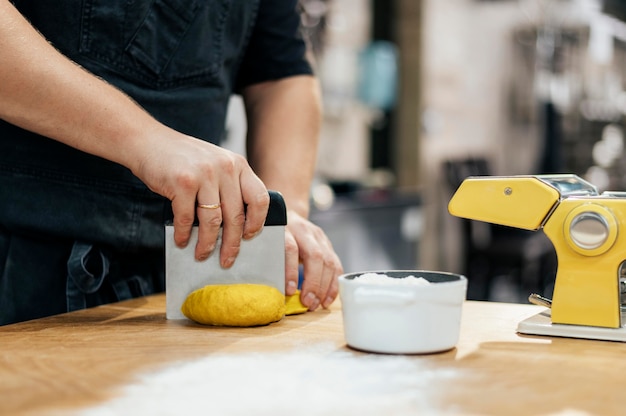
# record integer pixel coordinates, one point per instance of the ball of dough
(235, 305)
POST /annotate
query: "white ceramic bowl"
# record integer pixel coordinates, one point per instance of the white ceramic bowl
(399, 318)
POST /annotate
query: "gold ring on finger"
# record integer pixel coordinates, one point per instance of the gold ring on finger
(209, 206)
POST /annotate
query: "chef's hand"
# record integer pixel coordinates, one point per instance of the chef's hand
(191, 172)
(306, 243)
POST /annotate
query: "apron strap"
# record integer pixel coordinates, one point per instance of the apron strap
(87, 267)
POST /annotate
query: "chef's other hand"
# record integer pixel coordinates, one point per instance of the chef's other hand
(212, 182)
(307, 243)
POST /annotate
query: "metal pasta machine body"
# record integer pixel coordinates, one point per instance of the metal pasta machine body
(588, 231)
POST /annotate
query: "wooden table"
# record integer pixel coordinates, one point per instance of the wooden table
(126, 358)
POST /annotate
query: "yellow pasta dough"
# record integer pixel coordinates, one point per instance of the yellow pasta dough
(293, 305)
(235, 305)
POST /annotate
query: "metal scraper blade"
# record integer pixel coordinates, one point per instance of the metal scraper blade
(261, 260)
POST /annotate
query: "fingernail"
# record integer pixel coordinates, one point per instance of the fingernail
(228, 262)
(249, 235)
(328, 302)
(291, 287)
(204, 256)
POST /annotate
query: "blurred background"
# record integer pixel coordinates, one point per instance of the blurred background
(419, 94)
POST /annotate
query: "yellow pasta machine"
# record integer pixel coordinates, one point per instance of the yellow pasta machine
(588, 231)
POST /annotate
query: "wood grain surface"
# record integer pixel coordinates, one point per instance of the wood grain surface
(79, 361)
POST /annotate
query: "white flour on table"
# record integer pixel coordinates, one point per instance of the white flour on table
(301, 382)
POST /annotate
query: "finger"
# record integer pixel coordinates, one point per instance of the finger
(334, 269)
(310, 287)
(209, 213)
(184, 216)
(257, 200)
(321, 271)
(292, 262)
(312, 260)
(232, 223)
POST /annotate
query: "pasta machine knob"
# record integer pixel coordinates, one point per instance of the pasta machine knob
(591, 230)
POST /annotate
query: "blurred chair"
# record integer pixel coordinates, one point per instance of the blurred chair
(525, 257)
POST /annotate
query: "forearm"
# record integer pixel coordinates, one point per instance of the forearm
(283, 131)
(44, 92)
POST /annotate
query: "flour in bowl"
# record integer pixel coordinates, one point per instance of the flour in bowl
(383, 279)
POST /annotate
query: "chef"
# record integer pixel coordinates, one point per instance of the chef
(111, 116)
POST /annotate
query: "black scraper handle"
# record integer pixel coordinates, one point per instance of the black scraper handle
(277, 212)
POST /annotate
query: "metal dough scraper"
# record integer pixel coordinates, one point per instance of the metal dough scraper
(261, 260)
